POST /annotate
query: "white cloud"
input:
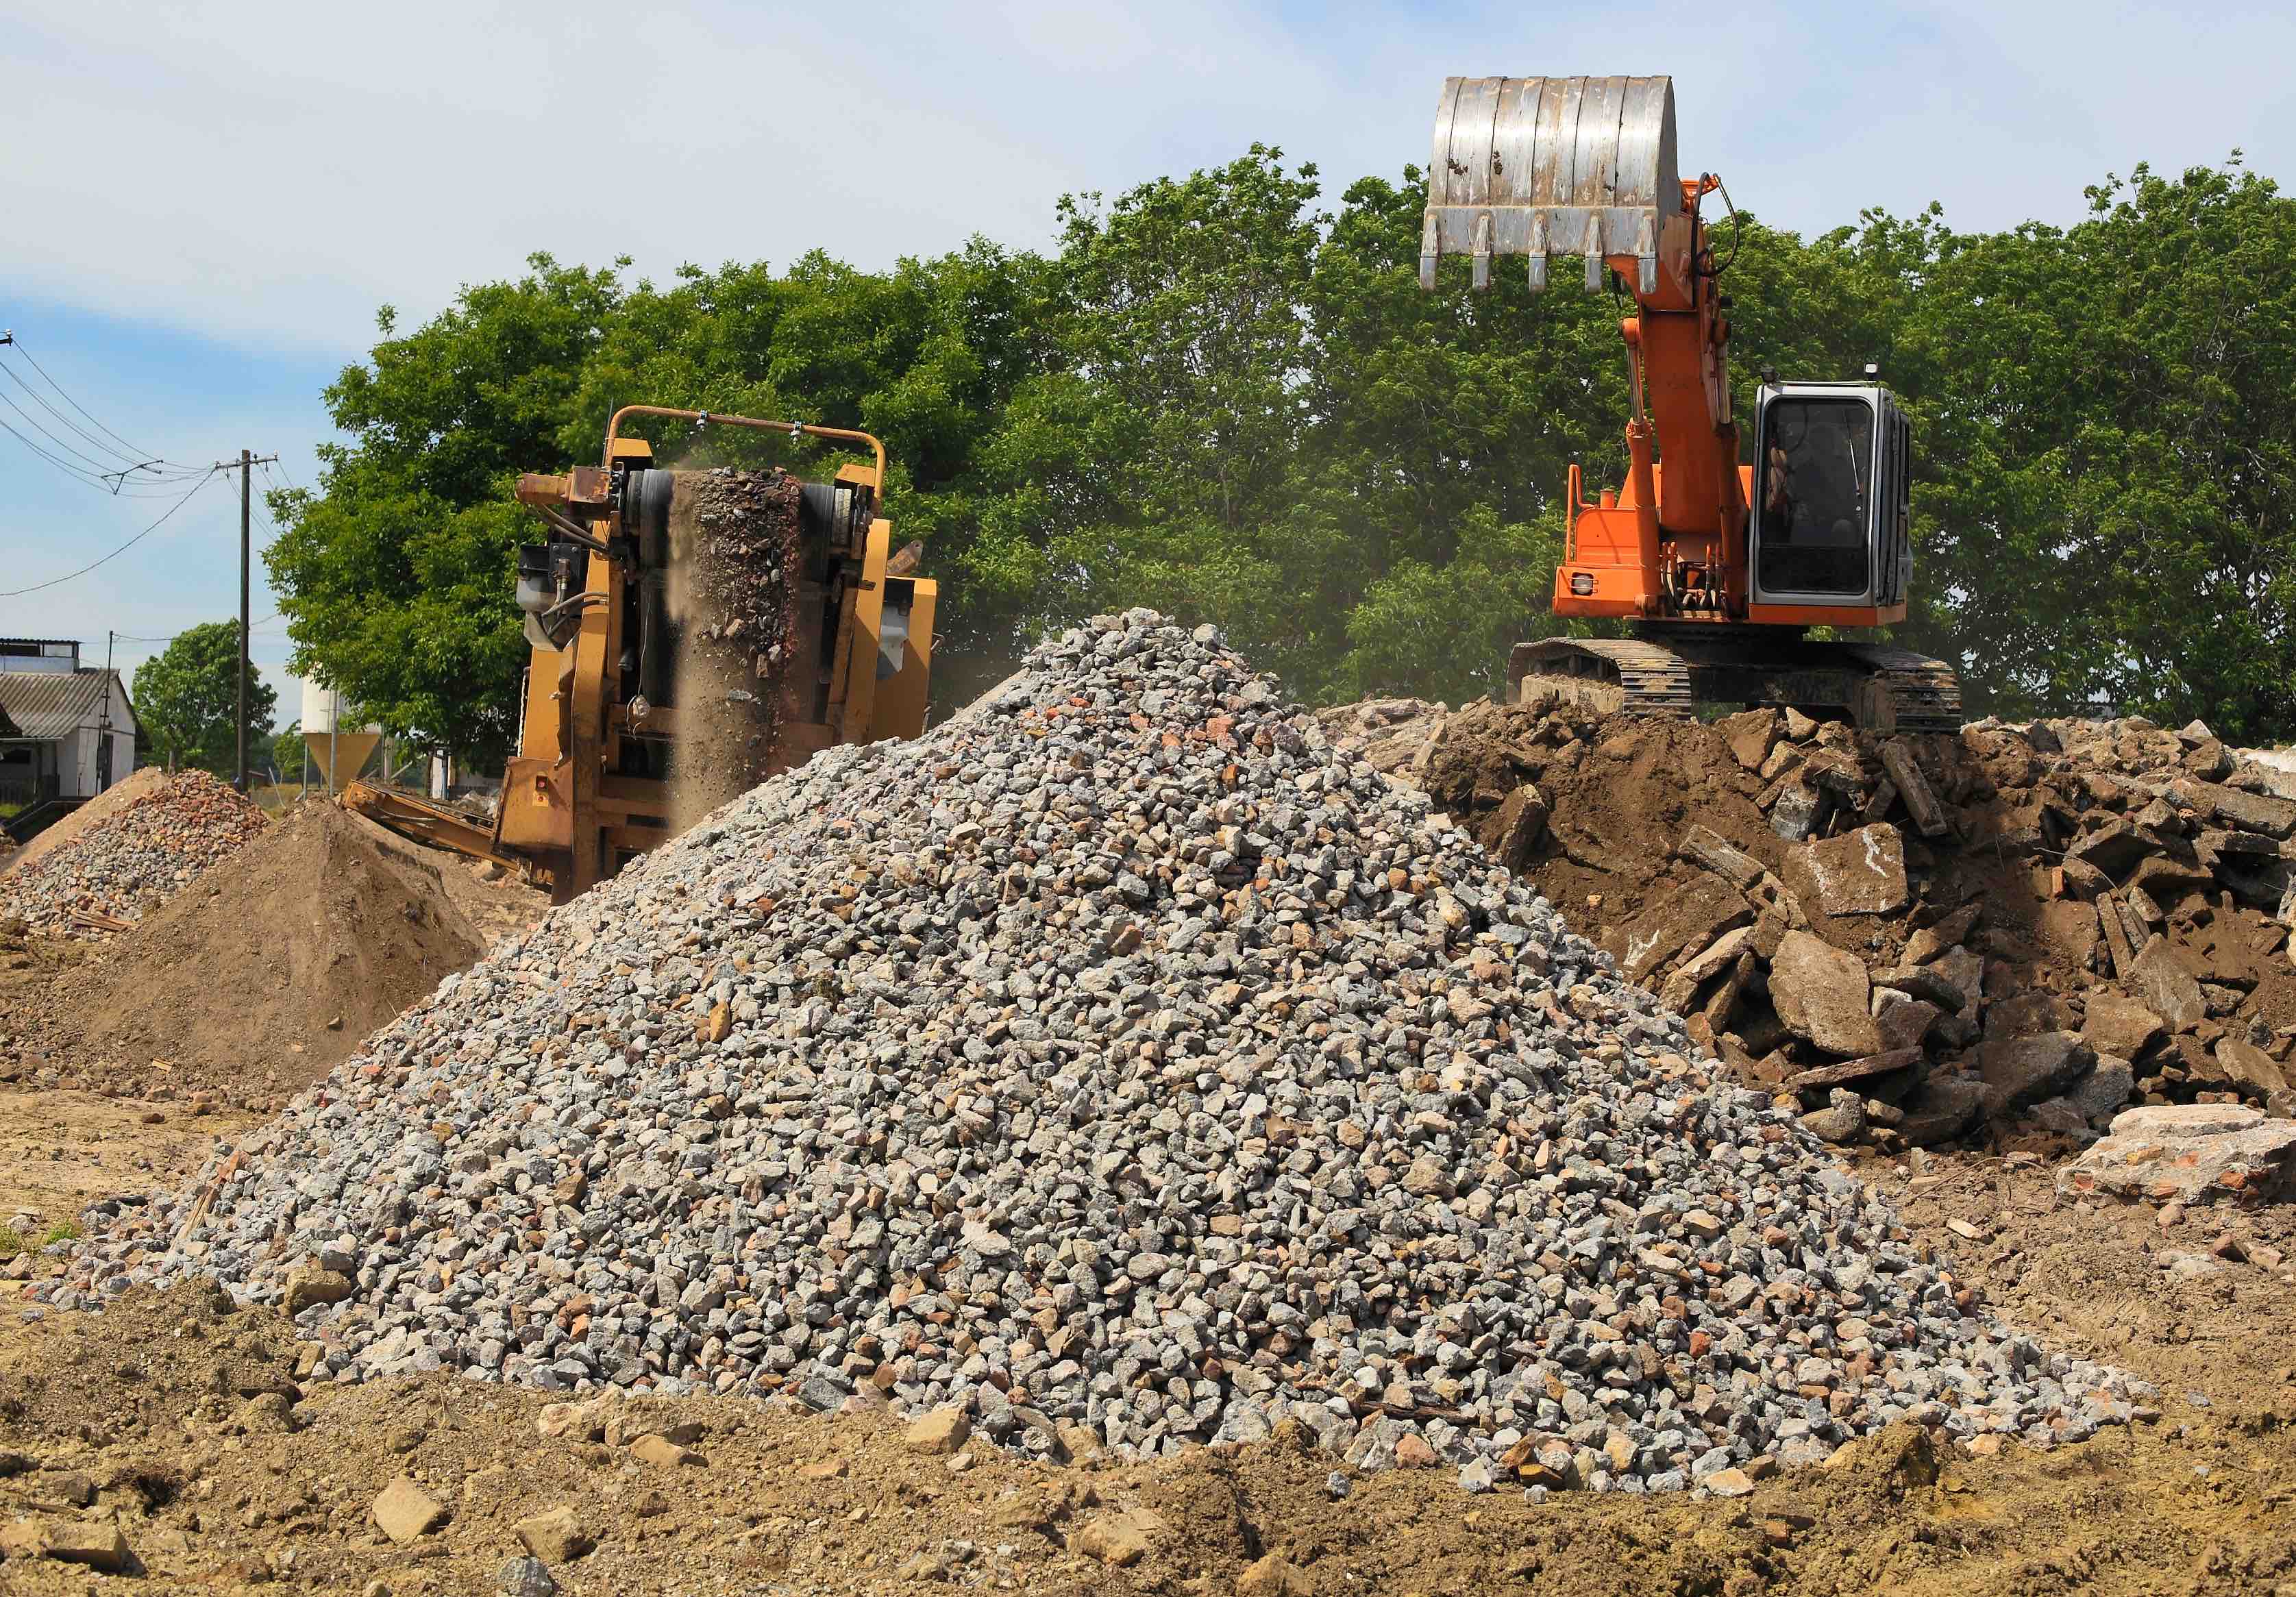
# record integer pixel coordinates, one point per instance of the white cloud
(276, 170)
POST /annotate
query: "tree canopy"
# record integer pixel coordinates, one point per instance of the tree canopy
(1219, 398)
(187, 700)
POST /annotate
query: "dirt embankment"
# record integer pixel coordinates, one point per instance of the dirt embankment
(264, 974)
(2021, 928)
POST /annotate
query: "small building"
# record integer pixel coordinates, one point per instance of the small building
(67, 732)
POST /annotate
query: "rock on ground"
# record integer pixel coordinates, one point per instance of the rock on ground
(2197, 1153)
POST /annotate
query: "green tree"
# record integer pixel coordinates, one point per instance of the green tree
(2112, 503)
(287, 752)
(398, 575)
(187, 699)
(1220, 397)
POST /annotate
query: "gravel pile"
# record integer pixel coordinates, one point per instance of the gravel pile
(123, 865)
(1118, 1055)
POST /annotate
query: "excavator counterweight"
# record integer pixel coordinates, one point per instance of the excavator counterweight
(1719, 559)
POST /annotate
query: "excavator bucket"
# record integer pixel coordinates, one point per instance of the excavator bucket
(1555, 166)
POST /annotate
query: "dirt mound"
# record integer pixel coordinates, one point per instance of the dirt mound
(272, 969)
(2025, 927)
(113, 866)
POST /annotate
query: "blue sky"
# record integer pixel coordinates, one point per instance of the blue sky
(207, 203)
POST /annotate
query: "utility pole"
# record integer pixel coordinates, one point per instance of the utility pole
(104, 722)
(244, 465)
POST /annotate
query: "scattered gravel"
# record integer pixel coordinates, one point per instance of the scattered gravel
(121, 866)
(1118, 1056)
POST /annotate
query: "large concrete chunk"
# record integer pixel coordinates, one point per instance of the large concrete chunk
(1964, 968)
(1689, 919)
(2022, 1070)
(2114, 847)
(1704, 966)
(2250, 811)
(1867, 1075)
(1945, 933)
(2118, 1024)
(2162, 981)
(1913, 788)
(1798, 812)
(1822, 994)
(1749, 734)
(2104, 1091)
(1925, 982)
(1734, 864)
(1904, 1022)
(2246, 1065)
(2196, 1153)
(1860, 872)
(1941, 1109)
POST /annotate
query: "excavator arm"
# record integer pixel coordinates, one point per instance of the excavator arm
(1536, 166)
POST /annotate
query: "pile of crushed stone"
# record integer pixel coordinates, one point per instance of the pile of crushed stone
(1117, 1055)
(116, 868)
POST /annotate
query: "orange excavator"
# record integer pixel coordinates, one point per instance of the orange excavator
(1718, 561)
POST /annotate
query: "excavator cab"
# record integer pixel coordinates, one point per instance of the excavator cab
(1831, 521)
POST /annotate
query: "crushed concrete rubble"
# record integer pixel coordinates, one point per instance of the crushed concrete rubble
(114, 870)
(1119, 1065)
(2016, 931)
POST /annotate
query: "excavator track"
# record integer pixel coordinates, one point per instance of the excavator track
(1605, 675)
(1921, 694)
(1670, 669)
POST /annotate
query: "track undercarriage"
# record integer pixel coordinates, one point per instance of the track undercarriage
(1670, 669)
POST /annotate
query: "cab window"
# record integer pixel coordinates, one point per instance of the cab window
(1816, 488)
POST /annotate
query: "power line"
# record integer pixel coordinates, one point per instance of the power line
(102, 470)
(112, 452)
(134, 451)
(33, 421)
(116, 554)
(92, 479)
(138, 637)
